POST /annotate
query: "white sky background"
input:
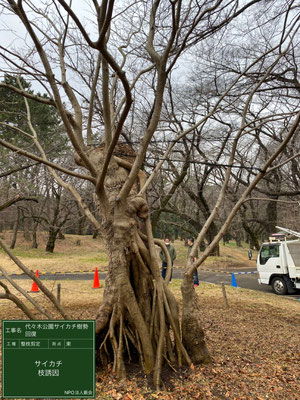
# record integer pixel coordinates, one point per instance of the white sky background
(12, 31)
(14, 36)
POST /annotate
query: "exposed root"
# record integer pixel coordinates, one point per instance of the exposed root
(162, 245)
(138, 321)
(120, 362)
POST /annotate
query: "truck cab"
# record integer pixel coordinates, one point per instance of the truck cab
(278, 264)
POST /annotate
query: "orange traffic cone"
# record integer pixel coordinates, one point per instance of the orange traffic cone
(96, 284)
(35, 287)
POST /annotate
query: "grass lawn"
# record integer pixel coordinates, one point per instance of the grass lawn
(91, 253)
(67, 256)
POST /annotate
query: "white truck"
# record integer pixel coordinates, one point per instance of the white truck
(278, 263)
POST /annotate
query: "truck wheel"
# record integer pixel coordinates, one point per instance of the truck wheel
(279, 286)
(290, 287)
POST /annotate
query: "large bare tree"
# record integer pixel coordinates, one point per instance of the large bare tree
(101, 70)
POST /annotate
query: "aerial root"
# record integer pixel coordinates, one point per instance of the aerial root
(153, 312)
(180, 348)
(112, 337)
(161, 337)
(120, 361)
(143, 324)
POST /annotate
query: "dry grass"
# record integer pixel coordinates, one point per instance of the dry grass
(254, 343)
(67, 255)
(77, 295)
(91, 253)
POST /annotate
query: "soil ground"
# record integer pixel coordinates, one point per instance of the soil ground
(255, 343)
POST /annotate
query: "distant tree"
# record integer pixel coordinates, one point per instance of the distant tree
(13, 117)
(19, 178)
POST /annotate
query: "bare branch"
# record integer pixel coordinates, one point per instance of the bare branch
(91, 102)
(14, 200)
(25, 294)
(9, 296)
(42, 161)
(244, 196)
(283, 163)
(32, 275)
(30, 96)
(12, 171)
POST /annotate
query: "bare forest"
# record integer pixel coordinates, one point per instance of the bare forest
(132, 121)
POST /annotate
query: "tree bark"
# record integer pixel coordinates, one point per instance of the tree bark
(138, 320)
(271, 216)
(26, 228)
(192, 331)
(52, 235)
(15, 230)
(254, 242)
(34, 235)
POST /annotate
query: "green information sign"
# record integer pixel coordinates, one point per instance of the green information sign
(48, 359)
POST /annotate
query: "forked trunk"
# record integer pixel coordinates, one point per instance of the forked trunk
(192, 331)
(138, 320)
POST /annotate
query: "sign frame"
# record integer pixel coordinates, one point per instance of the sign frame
(38, 359)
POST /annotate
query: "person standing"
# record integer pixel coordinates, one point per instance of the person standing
(249, 254)
(172, 253)
(195, 276)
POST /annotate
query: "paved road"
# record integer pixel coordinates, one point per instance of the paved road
(247, 279)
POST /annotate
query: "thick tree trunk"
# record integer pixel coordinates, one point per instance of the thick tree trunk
(34, 235)
(125, 316)
(253, 242)
(192, 331)
(52, 235)
(26, 229)
(15, 230)
(271, 216)
(138, 320)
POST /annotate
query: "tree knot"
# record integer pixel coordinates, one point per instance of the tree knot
(139, 206)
